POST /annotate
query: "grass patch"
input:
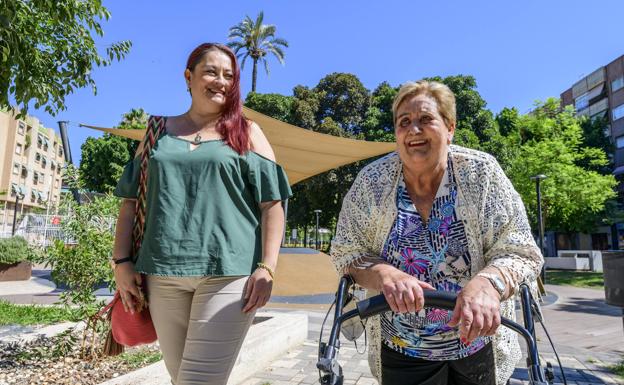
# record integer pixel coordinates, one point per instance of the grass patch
(586, 279)
(618, 369)
(11, 314)
(140, 357)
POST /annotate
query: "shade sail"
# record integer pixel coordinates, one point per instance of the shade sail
(302, 153)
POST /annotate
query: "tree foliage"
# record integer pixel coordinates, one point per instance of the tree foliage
(104, 158)
(576, 197)
(47, 50)
(252, 38)
(16, 249)
(573, 196)
(84, 265)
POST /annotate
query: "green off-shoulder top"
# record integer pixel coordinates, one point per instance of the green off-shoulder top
(202, 207)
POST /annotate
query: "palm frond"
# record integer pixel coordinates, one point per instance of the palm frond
(278, 53)
(259, 20)
(235, 46)
(244, 56)
(280, 41)
(266, 65)
(267, 30)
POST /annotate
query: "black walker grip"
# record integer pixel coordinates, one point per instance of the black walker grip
(377, 304)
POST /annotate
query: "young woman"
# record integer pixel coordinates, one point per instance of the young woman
(213, 224)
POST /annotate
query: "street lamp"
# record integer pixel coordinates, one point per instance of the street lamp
(538, 178)
(316, 238)
(18, 196)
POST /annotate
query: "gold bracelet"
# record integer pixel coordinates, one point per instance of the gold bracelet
(267, 268)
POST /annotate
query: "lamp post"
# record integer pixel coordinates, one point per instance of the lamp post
(538, 178)
(18, 196)
(67, 154)
(316, 237)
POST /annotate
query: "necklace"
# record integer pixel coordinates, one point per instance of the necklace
(198, 138)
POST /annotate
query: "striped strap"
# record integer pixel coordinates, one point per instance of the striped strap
(155, 128)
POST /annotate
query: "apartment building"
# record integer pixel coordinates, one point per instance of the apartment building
(31, 161)
(601, 94)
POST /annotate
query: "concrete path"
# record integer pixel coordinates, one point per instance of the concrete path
(587, 332)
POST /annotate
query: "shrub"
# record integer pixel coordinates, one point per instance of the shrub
(15, 249)
(84, 266)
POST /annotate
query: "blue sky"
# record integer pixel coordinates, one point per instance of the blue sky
(518, 51)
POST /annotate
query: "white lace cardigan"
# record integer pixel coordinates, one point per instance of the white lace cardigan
(495, 222)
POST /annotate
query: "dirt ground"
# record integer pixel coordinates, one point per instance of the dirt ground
(304, 274)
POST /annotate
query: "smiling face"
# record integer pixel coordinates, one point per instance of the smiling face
(422, 135)
(210, 80)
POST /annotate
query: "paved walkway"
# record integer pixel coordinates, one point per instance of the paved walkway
(588, 334)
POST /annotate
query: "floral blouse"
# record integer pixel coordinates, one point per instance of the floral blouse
(435, 252)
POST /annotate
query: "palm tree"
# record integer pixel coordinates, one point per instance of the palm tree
(256, 40)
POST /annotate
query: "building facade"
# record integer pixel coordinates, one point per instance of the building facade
(31, 162)
(601, 94)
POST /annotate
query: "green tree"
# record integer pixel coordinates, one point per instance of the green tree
(84, 265)
(344, 98)
(135, 119)
(573, 197)
(47, 50)
(277, 106)
(305, 107)
(256, 40)
(596, 134)
(104, 158)
(378, 125)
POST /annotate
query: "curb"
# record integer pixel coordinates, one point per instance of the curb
(269, 338)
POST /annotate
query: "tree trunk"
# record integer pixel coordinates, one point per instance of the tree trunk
(254, 75)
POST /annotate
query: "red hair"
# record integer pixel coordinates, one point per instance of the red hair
(232, 124)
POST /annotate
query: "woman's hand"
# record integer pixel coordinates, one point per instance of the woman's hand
(403, 292)
(128, 283)
(257, 290)
(477, 311)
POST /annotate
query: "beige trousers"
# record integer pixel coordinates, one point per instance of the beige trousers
(200, 325)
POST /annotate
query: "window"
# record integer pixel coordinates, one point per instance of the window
(60, 152)
(35, 177)
(21, 127)
(24, 171)
(39, 140)
(617, 84)
(582, 101)
(33, 195)
(18, 149)
(57, 183)
(618, 112)
(37, 157)
(16, 168)
(44, 161)
(619, 141)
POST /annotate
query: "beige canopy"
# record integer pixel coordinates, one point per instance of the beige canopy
(302, 153)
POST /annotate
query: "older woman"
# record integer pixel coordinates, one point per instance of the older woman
(213, 224)
(434, 216)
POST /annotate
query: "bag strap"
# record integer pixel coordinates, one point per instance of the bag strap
(155, 128)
